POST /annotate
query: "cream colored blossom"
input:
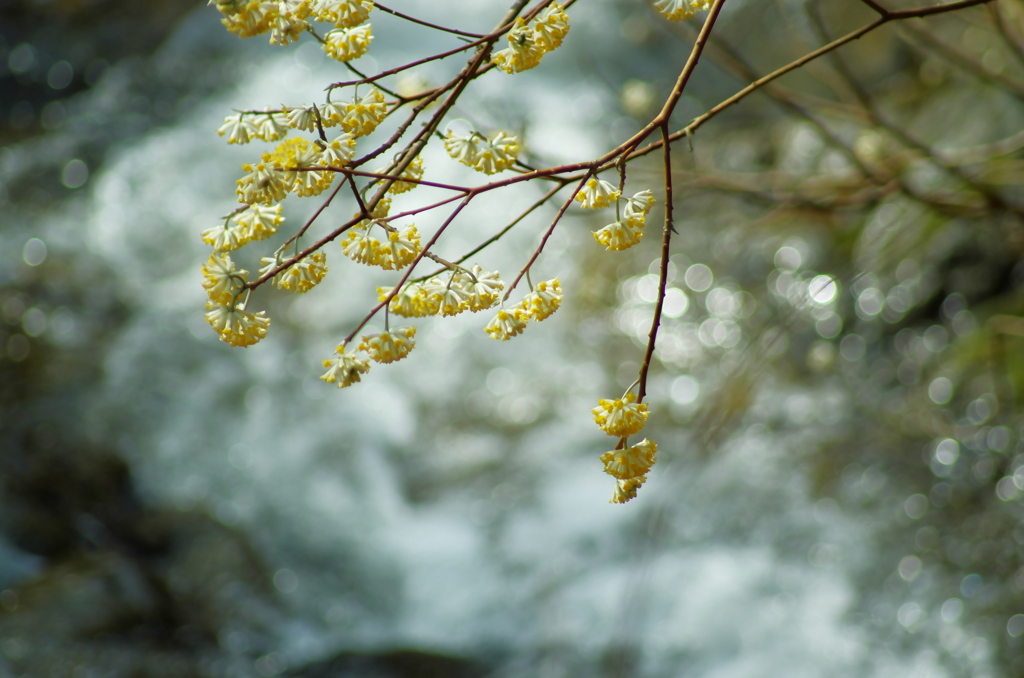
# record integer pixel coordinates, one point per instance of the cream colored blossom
(387, 347)
(301, 276)
(361, 247)
(254, 223)
(235, 325)
(331, 114)
(363, 115)
(620, 235)
(259, 222)
(621, 417)
(289, 22)
(301, 117)
(499, 153)
(597, 193)
(677, 10)
(221, 280)
(529, 44)
(637, 208)
(345, 369)
(247, 19)
(543, 300)
(224, 238)
(626, 490)
(632, 462)
(507, 324)
(523, 52)
(340, 151)
(413, 171)
(382, 209)
(262, 184)
(348, 44)
(412, 301)
(238, 128)
(299, 154)
(550, 27)
(482, 288)
(271, 126)
(453, 299)
(464, 149)
(487, 156)
(400, 249)
(342, 13)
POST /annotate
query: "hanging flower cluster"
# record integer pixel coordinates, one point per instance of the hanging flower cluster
(539, 304)
(225, 312)
(446, 294)
(345, 369)
(529, 43)
(389, 346)
(489, 156)
(301, 275)
(408, 179)
(285, 20)
(348, 44)
(681, 10)
(254, 222)
(398, 249)
(627, 231)
(629, 465)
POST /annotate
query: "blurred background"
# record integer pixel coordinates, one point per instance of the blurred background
(836, 393)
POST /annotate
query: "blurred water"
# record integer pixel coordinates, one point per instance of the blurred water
(453, 501)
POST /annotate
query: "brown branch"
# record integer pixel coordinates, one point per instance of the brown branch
(666, 239)
(414, 20)
(419, 257)
(794, 65)
(544, 239)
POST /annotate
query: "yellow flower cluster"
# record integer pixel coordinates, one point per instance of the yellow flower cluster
(340, 151)
(348, 44)
(529, 43)
(473, 290)
(629, 467)
(622, 418)
(387, 347)
(301, 276)
(342, 13)
(221, 280)
(489, 156)
(345, 369)
(507, 324)
(681, 10)
(544, 300)
(292, 167)
(235, 325)
(358, 117)
(596, 194)
(414, 171)
(539, 304)
(627, 231)
(297, 154)
(255, 222)
(286, 19)
(398, 251)
(223, 284)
